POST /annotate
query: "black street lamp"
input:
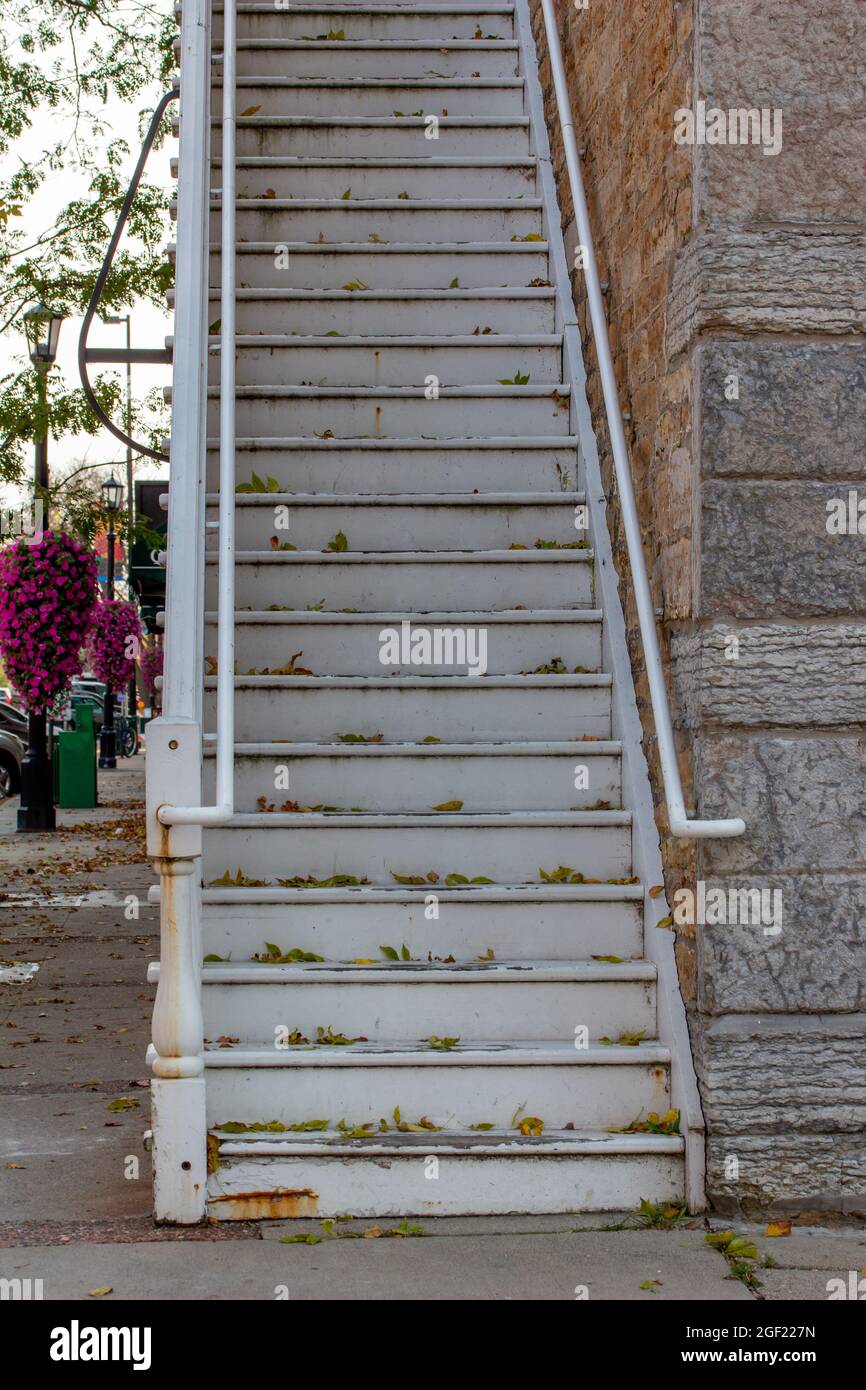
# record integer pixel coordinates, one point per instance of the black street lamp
(36, 811)
(111, 495)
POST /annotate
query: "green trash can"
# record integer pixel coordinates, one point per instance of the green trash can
(75, 761)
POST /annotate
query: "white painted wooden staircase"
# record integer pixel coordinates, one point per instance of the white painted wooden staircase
(458, 860)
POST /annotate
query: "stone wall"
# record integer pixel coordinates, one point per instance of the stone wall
(737, 303)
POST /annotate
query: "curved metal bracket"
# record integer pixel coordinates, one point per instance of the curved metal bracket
(85, 355)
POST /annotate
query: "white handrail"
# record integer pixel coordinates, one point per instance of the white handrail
(679, 822)
(223, 809)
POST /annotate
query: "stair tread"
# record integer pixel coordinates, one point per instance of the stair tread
(498, 45)
(396, 393)
(361, 1054)
(376, 83)
(427, 972)
(491, 292)
(402, 557)
(338, 7)
(402, 499)
(420, 161)
(332, 1143)
(559, 443)
(427, 750)
(397, 892)
(385, 248)
(275, 820)
(324, 619)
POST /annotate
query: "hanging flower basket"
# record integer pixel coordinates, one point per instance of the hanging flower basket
(115, 642)
(47, 599)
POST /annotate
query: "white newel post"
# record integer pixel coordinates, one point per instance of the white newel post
(178, 1087)
(174, 740)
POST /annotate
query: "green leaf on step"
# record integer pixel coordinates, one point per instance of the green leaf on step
(328, 1038)
(315, 607)
(301, 1240)
(338, 545)
(449, 806)
(483, 1128)
(215, 326)
(375, 238)
(531, 1125)
(456, 880)
(665, 923)
(455, 283)
(489, 954)
(356, 285)
(308, 1126)
(625, 1039)
(332, 333)
(516, 380)
(124, 1103)
(441, 1044)
(651, 1285)
(209, 960)
(531, 236)
(389, 952)
(431, 738)
(411, 880)
(346, 196)
(404, 196)
(239, 881)
(610, 960)
(250, 111)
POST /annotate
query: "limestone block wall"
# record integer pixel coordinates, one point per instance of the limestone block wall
(737, 304)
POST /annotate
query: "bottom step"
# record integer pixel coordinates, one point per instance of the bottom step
(442, 1174)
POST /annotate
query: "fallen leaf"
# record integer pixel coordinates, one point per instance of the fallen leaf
(779, 1228)
(101, 1291)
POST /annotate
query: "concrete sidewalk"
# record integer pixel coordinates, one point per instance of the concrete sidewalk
(75, 1196)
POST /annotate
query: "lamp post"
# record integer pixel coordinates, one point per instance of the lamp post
(111, 495)
(130, 493)
(36, 811)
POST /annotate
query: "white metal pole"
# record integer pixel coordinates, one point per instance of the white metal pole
(679, 823)
(226, 607)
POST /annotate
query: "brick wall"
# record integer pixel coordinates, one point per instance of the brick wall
(726, 264)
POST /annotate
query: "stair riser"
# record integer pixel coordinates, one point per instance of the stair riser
(516, 931)
(352, 221)
(298, 22)
(343, 469)
(482, 1186)
(586, 1096)
(505, 854)
(430, 98)
(419, 180)
(417, 784)
(353, 649)
(351, 315)
(389, 139)
(408, 1013)
(374, 416)
(421, 527)
(314, 715)
(420, 270)
(412, 587)
(340, 60)
(398, 366)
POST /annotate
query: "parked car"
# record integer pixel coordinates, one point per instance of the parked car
(11, 757)
(12, 720)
